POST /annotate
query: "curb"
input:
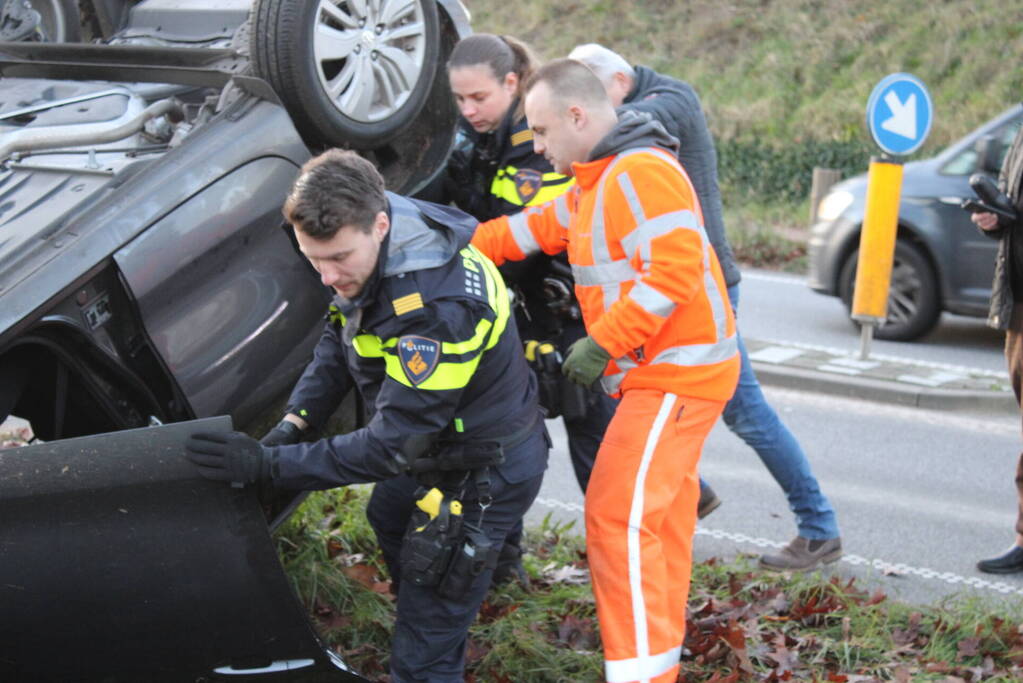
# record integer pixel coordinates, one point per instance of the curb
(882, 391)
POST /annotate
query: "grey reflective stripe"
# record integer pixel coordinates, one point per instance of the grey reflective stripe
(652, 301)
(625, 182)
(641, 668)
(649, 230)
(561, 211)
(610, 383)
(601, 251)
(657, 151)
(521, 233)
(699, 354)
(603, 274)
(598, 231)
(612, 293)
(717, 301)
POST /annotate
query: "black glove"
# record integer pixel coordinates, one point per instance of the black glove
(230, 456)
(284, 433)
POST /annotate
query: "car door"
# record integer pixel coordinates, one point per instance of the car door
(120, 563)
(231, 306)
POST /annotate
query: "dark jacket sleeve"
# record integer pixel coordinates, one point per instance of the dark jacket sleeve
(324, 382)
(461, 186)
(1010, 181)
(405, 417)
(677, 107)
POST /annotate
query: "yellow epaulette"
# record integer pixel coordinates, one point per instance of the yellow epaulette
(407, 303)
(521, 137)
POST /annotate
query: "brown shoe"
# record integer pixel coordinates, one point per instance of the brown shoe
(709, 502)
(802, 554)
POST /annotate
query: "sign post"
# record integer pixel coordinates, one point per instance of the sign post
(899, 118)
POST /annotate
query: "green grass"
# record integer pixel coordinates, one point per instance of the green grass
(763, 235)
(789, 70)
(743, 624)
(785, 83)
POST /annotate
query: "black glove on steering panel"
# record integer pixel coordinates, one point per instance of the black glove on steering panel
(283, 434)
(230, 456)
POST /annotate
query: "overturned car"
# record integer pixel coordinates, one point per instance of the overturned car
(146, 279)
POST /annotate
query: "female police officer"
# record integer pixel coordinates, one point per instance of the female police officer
(494, 172)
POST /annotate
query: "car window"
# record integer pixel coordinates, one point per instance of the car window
(966, 161)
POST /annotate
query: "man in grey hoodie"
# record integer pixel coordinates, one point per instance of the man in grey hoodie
(677, 107)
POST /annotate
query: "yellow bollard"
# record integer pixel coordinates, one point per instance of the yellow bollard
(877, 246)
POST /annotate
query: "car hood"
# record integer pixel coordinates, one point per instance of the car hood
(920, 179)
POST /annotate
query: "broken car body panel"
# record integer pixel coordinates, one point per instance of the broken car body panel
(123, 564)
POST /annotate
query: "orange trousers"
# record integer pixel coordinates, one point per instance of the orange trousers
(640, 519)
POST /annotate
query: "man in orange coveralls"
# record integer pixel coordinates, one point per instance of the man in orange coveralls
(660, 335)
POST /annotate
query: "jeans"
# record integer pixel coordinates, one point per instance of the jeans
(750, 418)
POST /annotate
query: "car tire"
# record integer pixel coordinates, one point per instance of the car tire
(60, 20)
(913, 297)
(348, 77)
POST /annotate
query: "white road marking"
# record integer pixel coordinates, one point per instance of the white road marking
(962, 369)
(771, 277)
(884, 566)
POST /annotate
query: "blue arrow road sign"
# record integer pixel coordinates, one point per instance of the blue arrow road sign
(899, 113)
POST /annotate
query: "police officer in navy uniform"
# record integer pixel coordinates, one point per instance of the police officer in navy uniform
(493, 172)
(421, 327)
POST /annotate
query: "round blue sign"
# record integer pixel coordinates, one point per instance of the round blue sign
(899, 113)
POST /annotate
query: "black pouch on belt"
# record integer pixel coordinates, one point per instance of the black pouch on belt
(475, 554)
(431, 538)
(545, 361)
(575, 400)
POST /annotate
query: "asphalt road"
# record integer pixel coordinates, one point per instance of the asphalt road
(779, 307)
(920, 495)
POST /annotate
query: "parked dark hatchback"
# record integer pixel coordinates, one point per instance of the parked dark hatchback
(942, 263)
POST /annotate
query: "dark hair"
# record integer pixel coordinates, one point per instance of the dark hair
(335, 189)
(503, 54)
(569, 81)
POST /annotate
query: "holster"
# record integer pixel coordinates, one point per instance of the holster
(429, 544)
(475, 554)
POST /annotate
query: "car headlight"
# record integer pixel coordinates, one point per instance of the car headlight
(832, 206)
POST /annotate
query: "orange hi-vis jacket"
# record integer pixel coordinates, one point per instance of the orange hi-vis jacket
(648, 282)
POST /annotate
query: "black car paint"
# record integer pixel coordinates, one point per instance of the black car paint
(162, 291)
(135, 570)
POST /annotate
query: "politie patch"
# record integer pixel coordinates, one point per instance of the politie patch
(418, 356)
(527, 183)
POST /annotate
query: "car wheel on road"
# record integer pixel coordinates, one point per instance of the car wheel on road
(351, 73)
(59, 22)
(913, 301)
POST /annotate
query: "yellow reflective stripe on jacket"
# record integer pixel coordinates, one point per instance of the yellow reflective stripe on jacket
(470, 345)
(335, 315)
(445, 376)
(450, 374)
(499, 297)
(371, 346)
(552, 185)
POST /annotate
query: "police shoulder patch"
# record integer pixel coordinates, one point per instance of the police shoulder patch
(527, 183)
(418, 356)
